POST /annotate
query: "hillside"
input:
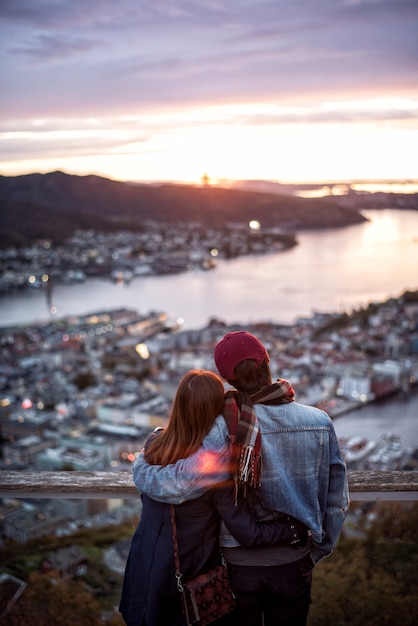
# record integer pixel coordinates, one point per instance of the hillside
(54, 205)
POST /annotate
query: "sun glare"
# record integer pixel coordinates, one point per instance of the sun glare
(382, 231)
(237, 142)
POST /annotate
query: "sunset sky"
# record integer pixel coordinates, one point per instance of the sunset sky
(159, 90)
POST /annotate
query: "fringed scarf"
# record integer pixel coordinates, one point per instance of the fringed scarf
(244, 430)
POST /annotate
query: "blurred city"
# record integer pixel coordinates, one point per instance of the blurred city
(82, 392)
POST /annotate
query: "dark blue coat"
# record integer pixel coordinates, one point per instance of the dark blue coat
(149, 594)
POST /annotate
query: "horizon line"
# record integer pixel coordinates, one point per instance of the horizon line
(206, 180)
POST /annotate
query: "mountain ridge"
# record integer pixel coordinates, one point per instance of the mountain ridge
(53, 205)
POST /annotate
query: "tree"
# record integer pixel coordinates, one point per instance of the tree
(372, 581)
(51, 600)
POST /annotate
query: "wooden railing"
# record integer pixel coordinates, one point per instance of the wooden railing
(363, 485)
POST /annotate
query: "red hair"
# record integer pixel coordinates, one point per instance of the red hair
(199, 400)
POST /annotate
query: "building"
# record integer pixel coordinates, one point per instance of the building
(71, 508)
(355, 385)
(30, 525)
(9, 509)
(24, 451)
(69, 561)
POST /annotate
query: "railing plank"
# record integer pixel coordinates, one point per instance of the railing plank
(385, 485)
(364, 485)
(45, 484)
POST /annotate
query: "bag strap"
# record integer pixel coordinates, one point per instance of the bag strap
(176, 548)
(180, 587)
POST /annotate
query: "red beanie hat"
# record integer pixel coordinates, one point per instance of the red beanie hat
(236, 347)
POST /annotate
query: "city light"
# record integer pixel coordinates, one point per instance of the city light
(142, 350)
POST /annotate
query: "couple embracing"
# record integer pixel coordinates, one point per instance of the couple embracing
(251, 472)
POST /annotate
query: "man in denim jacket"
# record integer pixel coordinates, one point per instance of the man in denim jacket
(302, 474)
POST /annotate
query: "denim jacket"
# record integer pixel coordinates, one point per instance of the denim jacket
(304, 474)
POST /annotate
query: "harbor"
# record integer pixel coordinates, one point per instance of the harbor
(382, 435)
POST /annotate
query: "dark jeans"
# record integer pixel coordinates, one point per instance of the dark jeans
(282, 593)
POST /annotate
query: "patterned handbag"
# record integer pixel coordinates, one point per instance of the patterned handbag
(206, 597)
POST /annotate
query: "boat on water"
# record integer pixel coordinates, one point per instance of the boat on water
(390, 453)
(386, 453)
(357, 449)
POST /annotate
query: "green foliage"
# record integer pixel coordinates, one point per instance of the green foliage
(46, 601)
(103, 537)
(371, 581)
(410, 296)
(53, 601)
(21, 559)
(361, 316)
(336, 324)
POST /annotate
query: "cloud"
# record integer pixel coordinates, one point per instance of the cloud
(160, 52)
(53, 48)
(168, 64)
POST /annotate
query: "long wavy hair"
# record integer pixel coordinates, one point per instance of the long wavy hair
(199, 400)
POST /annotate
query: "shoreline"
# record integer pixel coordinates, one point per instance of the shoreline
(350, 406)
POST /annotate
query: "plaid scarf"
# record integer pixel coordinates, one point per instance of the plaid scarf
(244, 430)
